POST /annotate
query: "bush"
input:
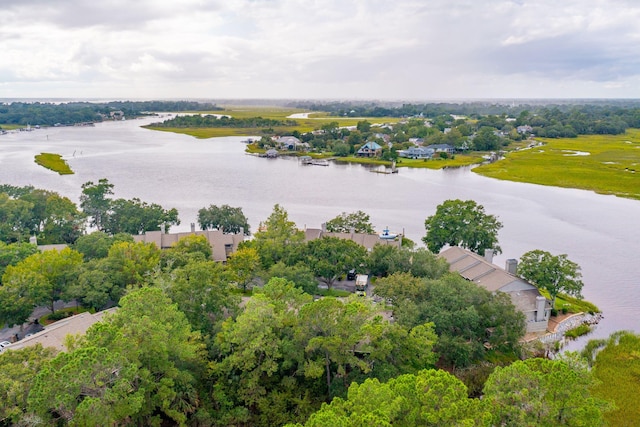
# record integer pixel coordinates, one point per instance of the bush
(554, 312)
(578, 331)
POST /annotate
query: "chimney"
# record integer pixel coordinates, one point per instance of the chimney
(488, 255)
(162, 228)
(193, 227)
(541, 308)
(33, 240)
(323, 226)
(511, 266)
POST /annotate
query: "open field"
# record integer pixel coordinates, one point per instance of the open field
(315, 121)
(606, 164)
(54, 162)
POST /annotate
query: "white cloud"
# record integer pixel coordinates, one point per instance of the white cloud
(406, 49)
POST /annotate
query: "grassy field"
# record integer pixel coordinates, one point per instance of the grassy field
(315, 121)
(606, 164)
(54, 162)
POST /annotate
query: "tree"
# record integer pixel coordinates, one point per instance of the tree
(18, 369)
(355, 222)
(21, 291)
(87, 386)
(96, 245)
(243, 266)
(486, 139)
(15, 219)
(543, 392)
(13, 253)
(63, 223)
(135, 217)
(95, 203)
(300, 275)
(188, 248)
(555, 274)
(278, 238)
(201, 292)
(461, 311)
(51, 272)
(225, 218)
(331, 257)
(462, 223)
(131, 264)
(428, 398)
(150, 332)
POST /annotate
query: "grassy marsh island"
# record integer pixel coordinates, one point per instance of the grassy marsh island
(53, 162)
(606, 164)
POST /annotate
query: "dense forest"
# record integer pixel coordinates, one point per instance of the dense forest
(257, 341)
(211, 121)
(49, 114)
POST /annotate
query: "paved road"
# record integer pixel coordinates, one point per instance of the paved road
(30, 327)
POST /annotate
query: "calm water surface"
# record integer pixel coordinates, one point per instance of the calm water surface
(600, 233)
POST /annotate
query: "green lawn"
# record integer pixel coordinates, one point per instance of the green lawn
(606, 164)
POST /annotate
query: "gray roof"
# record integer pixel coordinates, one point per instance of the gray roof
(54, 334)
(473, 267)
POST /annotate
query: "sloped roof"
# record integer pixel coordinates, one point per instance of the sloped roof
(54, 334)
(371, 145)
(473, 267)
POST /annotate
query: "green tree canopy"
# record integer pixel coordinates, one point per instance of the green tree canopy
(225, 218)
(553, 273)
(543, 392)
(331, 257)
(462, 223)
(95, 202)
(278, 239)
(354, 222)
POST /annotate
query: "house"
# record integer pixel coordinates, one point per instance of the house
(417, 153)
(416, 141)
(54, 335)
(370, 149)
(291, 143)
(363, 239)
(480, 270)
(442, 148)
(524, 129)
(222, 245)
(383, 136)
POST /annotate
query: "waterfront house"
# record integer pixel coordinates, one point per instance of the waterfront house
(480, 270)
(291, 143)
(363, 239)
(370, 149)
(417, 153)
(442, 148)
(222, 244)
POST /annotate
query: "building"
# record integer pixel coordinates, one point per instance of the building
(291, 143)
(480, 270)
(442, 148)
(417, 153)
(370, 149)
(363, 239)
(222, 245)
(54, 335)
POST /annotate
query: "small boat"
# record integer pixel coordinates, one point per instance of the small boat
(320, 162)
(306, 160)
(385, 235)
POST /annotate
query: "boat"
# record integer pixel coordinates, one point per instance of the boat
(386, 235)
(306, 160)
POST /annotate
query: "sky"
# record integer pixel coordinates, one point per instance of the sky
(411, 50)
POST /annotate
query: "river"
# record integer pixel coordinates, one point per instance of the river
(600, 233)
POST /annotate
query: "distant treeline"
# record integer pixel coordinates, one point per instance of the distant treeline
(211, 121)
(550, 120)
(48, 114)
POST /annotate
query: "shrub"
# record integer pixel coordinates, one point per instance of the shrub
(578, 331)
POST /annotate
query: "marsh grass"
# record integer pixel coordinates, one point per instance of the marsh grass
(54, 162)
(612, 165)
(617, 368)
(315, 121)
